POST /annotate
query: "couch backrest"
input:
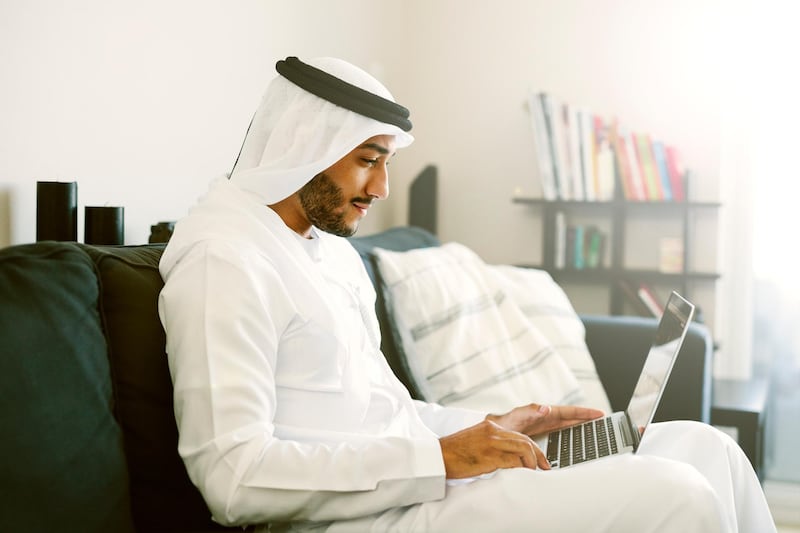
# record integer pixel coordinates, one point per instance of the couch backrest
(62, 463)
(54, 300)
(162, 496)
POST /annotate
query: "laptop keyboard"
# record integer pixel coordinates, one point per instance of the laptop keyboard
(590, 440)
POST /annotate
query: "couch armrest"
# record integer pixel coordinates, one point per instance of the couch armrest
(619, 345)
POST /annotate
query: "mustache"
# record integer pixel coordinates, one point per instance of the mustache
(365, 201)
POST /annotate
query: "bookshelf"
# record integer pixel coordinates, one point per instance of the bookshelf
(615, 216)
(615, 209)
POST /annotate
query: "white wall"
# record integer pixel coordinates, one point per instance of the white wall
(653, 65)
(144, 103)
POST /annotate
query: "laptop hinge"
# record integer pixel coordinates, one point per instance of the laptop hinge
(630, 434)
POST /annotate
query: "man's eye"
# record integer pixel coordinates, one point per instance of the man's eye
(370, 161)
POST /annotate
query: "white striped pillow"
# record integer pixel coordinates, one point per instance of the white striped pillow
(548, 308)
(466, 340)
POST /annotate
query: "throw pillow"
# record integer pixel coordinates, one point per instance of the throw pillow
(466, 340)
(548, 308)
(162, 496)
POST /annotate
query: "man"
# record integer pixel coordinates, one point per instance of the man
(287, 411)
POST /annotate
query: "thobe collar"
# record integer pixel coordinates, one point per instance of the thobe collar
(312, 245)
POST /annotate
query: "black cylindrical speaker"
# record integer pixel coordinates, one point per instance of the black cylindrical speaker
(104, 225)
(56, 211)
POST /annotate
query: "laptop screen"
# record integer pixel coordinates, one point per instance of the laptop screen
(658, 364)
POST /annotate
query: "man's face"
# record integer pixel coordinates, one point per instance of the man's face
(337, 198)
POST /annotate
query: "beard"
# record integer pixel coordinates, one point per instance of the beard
(325, 206)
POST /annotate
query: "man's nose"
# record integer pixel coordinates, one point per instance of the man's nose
(378, 185)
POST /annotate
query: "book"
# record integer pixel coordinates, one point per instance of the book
(594, 247)
(639, 192)
(647, 167)
(632, 297)
(579, 259)
(621, 165)
(560, 259)
(572, 129)
(578, 247)
(676, 173)
(660, 157)
(588, 156)
(605, 173)
(569, 247)
(671, 255)
(554, 116)
(541, 143)
(580, 156)
(649, 298)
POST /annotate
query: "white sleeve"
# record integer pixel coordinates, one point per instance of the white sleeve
(224, 320)
(447, 420)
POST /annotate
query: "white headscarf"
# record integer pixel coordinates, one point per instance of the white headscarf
(295, 135)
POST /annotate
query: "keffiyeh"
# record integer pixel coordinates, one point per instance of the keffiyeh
(295, 134)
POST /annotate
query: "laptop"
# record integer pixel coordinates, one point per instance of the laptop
(621, 432)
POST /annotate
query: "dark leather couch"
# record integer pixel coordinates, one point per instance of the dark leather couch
(89, 438)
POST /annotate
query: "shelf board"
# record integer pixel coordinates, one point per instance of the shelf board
(620, 214)
(658, 275)
(624, 204)
(595, 275)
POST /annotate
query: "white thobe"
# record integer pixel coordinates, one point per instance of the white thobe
(288, 412)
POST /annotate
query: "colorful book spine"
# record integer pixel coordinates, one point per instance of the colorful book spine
(580, 156)
(594, 247)
(579, 259)
(650, 300)
(676, 174)
(660, 157)
(632, 297)
(647, 167)
(622, 165)
(637, 181)
(578, 247)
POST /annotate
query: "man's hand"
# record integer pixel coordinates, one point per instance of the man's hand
(505, 441)
(535, 419)
(487, 446)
